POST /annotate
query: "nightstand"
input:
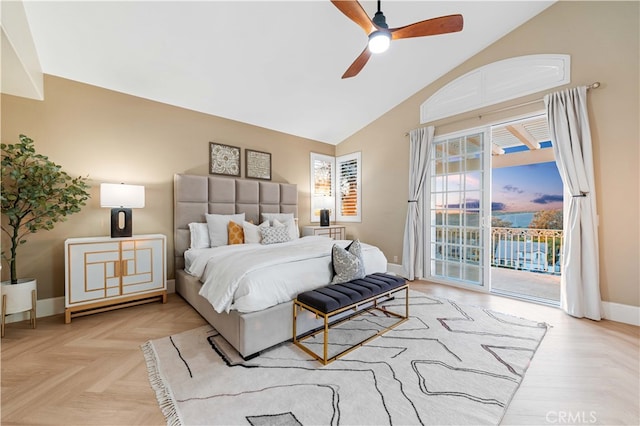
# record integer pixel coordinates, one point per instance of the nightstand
(106, 273)
(336, 232)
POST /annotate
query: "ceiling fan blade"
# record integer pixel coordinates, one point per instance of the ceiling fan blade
(354, 11)
(358, 64)
(435, 26)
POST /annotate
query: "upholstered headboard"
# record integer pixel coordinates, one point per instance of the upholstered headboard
(194, 196)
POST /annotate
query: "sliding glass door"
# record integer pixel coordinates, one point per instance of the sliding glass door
(459, 208)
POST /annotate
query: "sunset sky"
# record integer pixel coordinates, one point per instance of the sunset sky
(526, 188)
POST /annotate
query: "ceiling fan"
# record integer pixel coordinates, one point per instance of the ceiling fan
(380, 35)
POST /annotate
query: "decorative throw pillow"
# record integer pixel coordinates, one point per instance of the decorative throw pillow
(199, 235)
(236, 233)
(275, 234)
(252, 233)
(218, 223)
(347, 262)
(286, 219)
(356, 248)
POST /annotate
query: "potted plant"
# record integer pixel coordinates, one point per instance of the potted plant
(36, 193)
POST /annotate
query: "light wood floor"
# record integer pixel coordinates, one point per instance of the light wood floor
(92, 371)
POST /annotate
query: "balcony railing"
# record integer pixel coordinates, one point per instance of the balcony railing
(536, 250)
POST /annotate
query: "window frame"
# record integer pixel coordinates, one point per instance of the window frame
(335, 162)
(357, 156)
(314, 202)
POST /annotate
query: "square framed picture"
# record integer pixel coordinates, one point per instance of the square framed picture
(224, 159)
(258, 164)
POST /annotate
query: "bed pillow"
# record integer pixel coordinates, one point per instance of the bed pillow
(199, 235)
(282, 217)
(252, 233)
(294, 232)
(347, 262)
(286, 219)
(218, 223)
(275, 234)
(235, 234)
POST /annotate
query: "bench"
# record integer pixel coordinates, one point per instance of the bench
(360, 295)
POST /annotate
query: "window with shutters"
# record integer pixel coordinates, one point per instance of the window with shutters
(348, 190)
(323, 177)
(338, 180)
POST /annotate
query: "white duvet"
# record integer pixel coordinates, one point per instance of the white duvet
(252, 277)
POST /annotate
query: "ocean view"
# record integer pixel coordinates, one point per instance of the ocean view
(517, 219)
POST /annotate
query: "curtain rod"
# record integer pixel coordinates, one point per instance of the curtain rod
(593, 85)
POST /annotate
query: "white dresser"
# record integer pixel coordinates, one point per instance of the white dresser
(103, 273)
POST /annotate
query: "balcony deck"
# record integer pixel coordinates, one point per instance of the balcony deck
(526, 284)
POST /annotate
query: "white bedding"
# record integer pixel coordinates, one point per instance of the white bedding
(253, 277)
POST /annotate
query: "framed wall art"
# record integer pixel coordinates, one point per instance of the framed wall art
(224, 159)
(258, 164)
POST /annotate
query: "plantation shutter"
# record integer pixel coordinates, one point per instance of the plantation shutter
(322, 183)
(348, 189)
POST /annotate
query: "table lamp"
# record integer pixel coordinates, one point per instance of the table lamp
(121, 198)
(326, 203)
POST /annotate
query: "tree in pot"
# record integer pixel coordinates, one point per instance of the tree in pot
(36, 193)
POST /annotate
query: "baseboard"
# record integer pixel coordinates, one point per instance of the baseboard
(621, 313)
(618, 312)
(55, 306)
(394, 268)
(44, 308)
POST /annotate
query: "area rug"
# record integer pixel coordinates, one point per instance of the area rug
(449, 364)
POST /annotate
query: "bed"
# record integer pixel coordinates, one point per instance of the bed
(249, 326)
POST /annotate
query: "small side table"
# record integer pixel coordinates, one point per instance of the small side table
(19, 297)
(336, 232)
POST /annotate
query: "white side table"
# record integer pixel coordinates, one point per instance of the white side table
(335, 232)
(19, 297)
(103, 273)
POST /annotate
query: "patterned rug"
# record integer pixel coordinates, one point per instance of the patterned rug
(449, 364)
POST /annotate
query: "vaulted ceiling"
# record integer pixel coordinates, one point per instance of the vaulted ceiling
(272, 64)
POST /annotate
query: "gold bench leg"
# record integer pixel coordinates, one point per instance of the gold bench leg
(295, 319)
(326, 340)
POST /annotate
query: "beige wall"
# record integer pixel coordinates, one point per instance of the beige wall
(112, 137)
(603, 41)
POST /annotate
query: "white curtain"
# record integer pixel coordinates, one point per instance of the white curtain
(571, 139)
(420, 141)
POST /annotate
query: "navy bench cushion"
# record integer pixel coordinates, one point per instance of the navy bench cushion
(335, 296)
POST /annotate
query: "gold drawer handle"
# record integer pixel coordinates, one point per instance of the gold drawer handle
(121, 269)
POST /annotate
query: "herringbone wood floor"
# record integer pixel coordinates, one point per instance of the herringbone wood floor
(92, 371)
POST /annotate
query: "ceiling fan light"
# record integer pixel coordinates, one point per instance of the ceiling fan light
(379, 41)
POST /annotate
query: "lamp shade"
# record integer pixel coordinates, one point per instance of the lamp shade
(327, 202)
(121, 195)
